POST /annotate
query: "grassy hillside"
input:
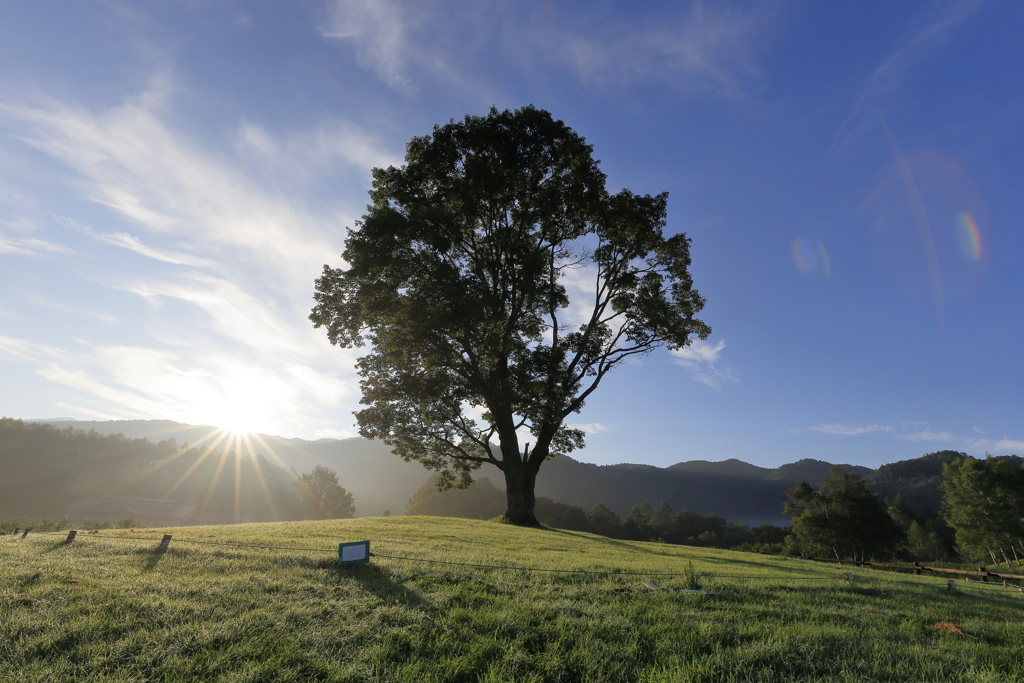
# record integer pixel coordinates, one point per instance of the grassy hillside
(106, 608)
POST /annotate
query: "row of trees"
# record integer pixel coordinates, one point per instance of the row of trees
(482, 500)
(982, 517)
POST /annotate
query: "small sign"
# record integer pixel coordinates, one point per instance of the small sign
(351, 553)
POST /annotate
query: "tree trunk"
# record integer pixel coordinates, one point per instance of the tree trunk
(519, 482)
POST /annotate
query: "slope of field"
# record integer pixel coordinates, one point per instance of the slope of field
(108, 608)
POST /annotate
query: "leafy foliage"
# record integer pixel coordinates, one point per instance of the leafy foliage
(985, 504)
(457, 280)
(842, 518)
(928, 536)
(319, 488)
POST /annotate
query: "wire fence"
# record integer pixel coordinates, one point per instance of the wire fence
(877, 576)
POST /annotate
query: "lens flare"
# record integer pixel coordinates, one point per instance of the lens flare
(970, 237)
(924, 231)
(810, 257)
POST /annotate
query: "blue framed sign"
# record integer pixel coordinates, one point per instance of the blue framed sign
(353, 553)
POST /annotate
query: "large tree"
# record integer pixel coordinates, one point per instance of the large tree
(458, 282)
(843, 517)
(320, 490)
(985, 504)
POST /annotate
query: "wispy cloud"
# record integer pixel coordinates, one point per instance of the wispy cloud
(846, 430)
(251, 253)
(701, 46)
(701, 359)
(123, 239)
(29, 247)
(130, 160)
(929, 29)
(590, 427)
(1009, 445)
(696, 46)
(301, 155)
(925, 436)
(113, 382)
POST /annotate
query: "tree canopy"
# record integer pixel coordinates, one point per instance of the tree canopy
(985, 504)
(319, 488)
(496, 282)
(842, 517)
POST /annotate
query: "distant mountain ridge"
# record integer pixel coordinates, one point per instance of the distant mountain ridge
(377, 479)
(733, 489)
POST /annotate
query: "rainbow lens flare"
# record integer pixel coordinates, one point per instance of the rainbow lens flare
(810, 257)
(970, 238)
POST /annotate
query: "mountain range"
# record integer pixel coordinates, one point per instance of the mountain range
(733, 489)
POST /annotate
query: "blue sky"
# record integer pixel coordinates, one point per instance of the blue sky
(173, 176)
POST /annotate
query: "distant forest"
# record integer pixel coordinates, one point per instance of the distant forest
(44, 471)
(937, 506)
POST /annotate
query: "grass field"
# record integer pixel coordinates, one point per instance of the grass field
(110, 609)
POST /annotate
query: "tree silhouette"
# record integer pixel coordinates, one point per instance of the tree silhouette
(458, 280)
(320, 487)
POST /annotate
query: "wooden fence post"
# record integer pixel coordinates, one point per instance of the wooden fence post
(164, 543)
(71, 536)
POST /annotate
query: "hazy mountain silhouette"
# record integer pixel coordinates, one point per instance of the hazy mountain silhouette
(377, 479)
(736, 490)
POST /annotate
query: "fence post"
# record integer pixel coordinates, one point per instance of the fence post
(984, 574)
(164, 543)
(71, 536)
(26, 532)
(917, 568)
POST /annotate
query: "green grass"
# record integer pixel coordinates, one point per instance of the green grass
(206, 612)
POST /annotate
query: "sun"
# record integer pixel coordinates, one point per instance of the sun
(245, 405)
(241, 418)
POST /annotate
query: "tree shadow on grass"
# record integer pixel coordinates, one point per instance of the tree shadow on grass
(769, 563)
(625, 545)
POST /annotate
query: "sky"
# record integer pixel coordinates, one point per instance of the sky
(174, 177)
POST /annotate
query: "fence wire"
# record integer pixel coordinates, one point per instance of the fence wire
(601, 572)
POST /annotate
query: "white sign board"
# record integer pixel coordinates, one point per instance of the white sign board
(350, 553)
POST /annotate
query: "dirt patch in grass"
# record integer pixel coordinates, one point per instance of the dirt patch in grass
(946, 626)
